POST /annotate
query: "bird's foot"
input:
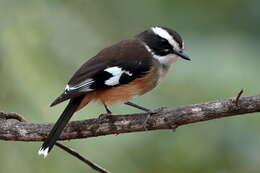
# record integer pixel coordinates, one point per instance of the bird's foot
(104, 116)
(145, 123)
(151, 112)
(159, 109)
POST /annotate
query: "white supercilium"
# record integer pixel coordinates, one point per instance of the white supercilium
(164, 34)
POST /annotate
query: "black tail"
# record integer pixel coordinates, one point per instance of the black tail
(59, 126)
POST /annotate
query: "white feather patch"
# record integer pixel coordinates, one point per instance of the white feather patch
(84, 86)
(164, 34)
(116, 73)
(43, 152)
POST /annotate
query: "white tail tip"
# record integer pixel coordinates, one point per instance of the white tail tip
(43, 152)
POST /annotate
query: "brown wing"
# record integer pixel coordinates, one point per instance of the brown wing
(128, 55)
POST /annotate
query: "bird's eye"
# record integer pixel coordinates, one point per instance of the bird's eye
(166, 50)
(163, 41)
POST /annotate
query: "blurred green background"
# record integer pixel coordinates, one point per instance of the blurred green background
(42, 43)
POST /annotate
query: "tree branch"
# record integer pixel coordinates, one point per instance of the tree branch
(82, 158)
(88, 162)
(163, 118)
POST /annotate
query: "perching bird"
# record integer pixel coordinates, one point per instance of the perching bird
(119, 73)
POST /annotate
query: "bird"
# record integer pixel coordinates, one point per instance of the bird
(117, 74)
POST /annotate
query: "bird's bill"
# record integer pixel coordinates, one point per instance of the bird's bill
(182, 55)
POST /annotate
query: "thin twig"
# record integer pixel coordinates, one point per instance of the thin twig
(238, 96)
(93, 165)
(82, 158)
(12, 115)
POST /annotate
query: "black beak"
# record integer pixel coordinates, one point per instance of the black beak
(182, 55)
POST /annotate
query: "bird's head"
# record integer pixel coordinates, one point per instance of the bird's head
(163, 43)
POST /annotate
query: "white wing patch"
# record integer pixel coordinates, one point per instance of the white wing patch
(164, 34)
(83, 86)
(116, 73)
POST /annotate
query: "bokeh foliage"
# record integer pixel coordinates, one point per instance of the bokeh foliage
(43, 42)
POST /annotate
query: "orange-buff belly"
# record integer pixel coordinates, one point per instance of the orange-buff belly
(124, 92)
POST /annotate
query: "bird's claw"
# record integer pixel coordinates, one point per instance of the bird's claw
(145, 123)
(104, 116)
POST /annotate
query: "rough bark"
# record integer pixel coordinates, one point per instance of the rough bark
(163, 118)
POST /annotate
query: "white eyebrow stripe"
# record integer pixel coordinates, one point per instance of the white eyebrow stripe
(164, 34)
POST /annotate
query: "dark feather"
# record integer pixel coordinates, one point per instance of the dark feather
(61, 123)
(130, 55)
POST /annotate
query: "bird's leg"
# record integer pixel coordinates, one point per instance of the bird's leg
(143, 109)
(105, 115)
(107, 109)
(137, 106)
